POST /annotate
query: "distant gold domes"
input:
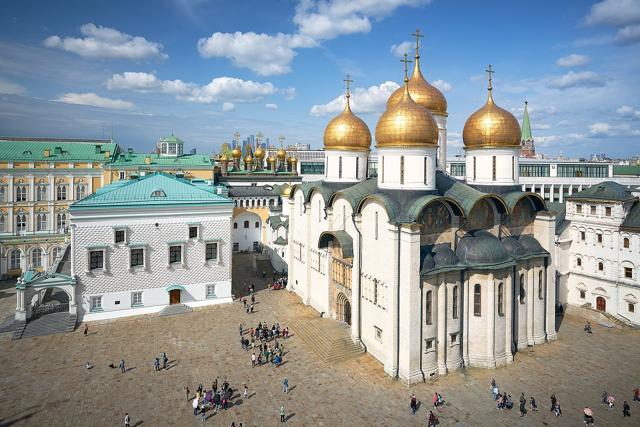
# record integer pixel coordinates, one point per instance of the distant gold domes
(491, 126)
(248, 159)
(406, 124)
(286, 190)
(281, 154)
(236, 152)
(421, 92)
(271, 159)
(259, 153)
(347, 131)
(223, 157)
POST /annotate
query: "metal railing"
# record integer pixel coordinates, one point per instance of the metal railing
(43, 309)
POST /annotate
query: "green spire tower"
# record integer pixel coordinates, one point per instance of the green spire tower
(526, 139)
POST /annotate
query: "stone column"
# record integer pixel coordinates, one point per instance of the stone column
(491, 320)
(442, 324)
(410, 299)
(391, 364)
(467, 310)
(355, 282)
(544, 231)
(530, 295)
(508, 314)
(21, 312)
(307, 253)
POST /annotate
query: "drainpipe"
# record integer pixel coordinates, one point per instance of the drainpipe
(421, 325)
(398, 309)
(353, 219)
(515, 311)
(546, 332)
(463, 318)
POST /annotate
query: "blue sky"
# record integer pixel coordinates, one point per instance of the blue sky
(206, 69)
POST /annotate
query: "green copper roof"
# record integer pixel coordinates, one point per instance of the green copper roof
(60, 150)
(344, 240)
(172, 138)
(151, 190)
(632, 220)
(526, 126)
(280, 241)
(128, 159)
(606, 190)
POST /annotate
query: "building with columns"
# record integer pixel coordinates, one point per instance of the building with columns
(430, 273)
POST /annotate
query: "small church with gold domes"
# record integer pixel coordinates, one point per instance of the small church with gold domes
(432, 274)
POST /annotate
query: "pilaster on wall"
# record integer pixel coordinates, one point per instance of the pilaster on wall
(355, 282)
(545, 231)
(410, 298)
(442, 324)
(307, 253)
(391, 364)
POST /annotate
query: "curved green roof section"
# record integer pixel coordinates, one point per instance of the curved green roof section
(342, 237)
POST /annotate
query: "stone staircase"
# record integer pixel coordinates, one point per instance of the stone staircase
(174, 309)
(328, 339)
(54, 323)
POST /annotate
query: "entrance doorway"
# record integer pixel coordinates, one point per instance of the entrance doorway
(174, 296)
(343, 309)
(601, 304)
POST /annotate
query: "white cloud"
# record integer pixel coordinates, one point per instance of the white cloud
(104, 42)
(573, 60)
(271, 106)
(94, 100)
(315, 20)
(370, 100)
(628, 35)
(289, 93)
(399, 50)
(228, 106)
(442, 85)
(627, 111)
(540, 126)
(617, 13)
(220, 89)
(600, 128)
(545, 141)
(573, 79)
(11, 88)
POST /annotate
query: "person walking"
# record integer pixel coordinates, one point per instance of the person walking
(285, 385)
(246, 392)
(523, 402)
(432, 421)
(186, 389)
(636, 395)
(253, 360)
(241, 328)
(534, 405)
(195, 405)
(86, 329)
(413, 404)
(203, 412)
(626, 410)
(127, 420)
(122, 369)
(553, 402)
(156, 365)
(165, 360)
(603, 397)
(282, 413)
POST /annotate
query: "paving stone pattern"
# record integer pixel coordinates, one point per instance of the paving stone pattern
(44, 381)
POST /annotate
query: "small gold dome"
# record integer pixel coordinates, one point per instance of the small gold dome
(406, 124)
(259, 153)
(236, 152)
(347, 132)
(286, 190)
(248, 159)
(421, 92)
(293, 160)
(271, 159)
(223, 157)
(281, 154)
(491, 127)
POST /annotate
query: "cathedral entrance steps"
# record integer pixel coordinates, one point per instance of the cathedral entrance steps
(174, 309)
(54, 323)
(328, 339)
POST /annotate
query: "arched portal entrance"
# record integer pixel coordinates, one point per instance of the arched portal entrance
(601, 304)
(343, 309)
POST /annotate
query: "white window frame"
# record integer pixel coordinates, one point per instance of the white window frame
(454, 339)
(41, 192)
(122, 175)
(3, 223)
(21, 218)
(104, 268)
(429, 345)
(21, 193)
(81, 191)
(198, 227)
(18, 255)
(39, 223)
(377, 333)
(39, 264)
(126, 235)
(61, 192)
(144, 257)
(211, 291)
(182, 254)
(95, 304)
(217, 259)
(134, 296)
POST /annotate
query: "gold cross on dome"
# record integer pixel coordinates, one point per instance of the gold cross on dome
(490, 71)
(348, 82)
(418, 36)
(406, 66)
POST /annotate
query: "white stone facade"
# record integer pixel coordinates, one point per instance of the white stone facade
(402, 168)
(492, 166)
(345, 166)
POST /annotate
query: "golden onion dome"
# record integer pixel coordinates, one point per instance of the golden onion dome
(347, 132)
(236, 152)
(421, 92)
(281, 154)
(271, 159)
(286, 190)
(259, 153)
(223, 157)
(406, 124)
(491, 127)
(293, 160)
(248, 159)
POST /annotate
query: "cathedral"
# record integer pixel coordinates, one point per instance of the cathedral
(431, 273)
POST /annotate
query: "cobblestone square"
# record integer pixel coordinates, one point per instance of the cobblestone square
(44, 380)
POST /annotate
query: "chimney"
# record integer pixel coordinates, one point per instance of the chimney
(98, 149)
(47, 152)
(147, 160)
(107, 154)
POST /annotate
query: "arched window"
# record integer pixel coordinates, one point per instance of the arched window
(2, 193)
(61, 192)
(56, 253)
(357, 167)
(474, 168)
(14, 259)
(401, 169)
(246, 224)
(3, 224)
(428, 307)
(513, 167)
(235, 225)
(600, 266)
(319, 211)
(340, 167)
(375, 235)
(158, 193)
(579, 262)
(21, 193)
(522, 294)
(257, 224)
(61, 222)
(41, 192)
(493, 168)
(80, 191)
(382, 169)
(500, 299)
(454, 301)
(477, 303)
(540, 290)
(36, 258)
(270, 202)
(625, 242)
(425, 171)
(21, 222)
(41, 222)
